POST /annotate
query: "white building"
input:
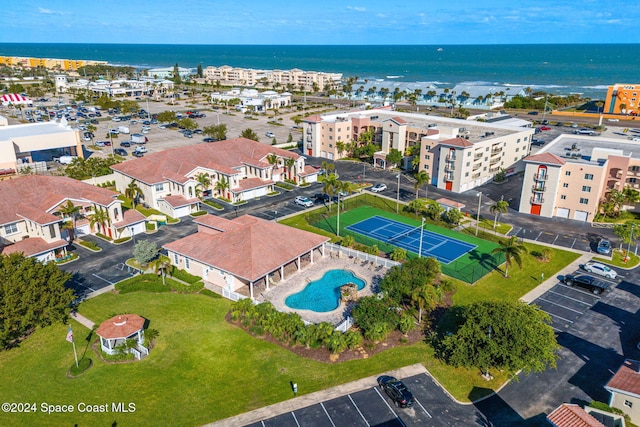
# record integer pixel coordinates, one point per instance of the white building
(254, 100)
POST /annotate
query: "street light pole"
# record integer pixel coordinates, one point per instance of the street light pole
(629, 245)
(478, 216)
(398, 195)
(421, 234)
(338, 218)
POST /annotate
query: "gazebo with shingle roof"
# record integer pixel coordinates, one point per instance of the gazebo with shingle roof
(116, 331)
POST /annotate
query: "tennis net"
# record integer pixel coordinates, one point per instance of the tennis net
(404, 234)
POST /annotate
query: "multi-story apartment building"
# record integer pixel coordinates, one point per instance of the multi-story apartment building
(237, 169)
(457, 154)
(571, 175)
(622, 99)
(251, 98)
(49, 63)
(308, 80)
(32, 218)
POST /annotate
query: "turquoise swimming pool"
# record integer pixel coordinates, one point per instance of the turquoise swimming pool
(324, 294)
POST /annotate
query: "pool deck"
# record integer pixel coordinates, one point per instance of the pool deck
(371, 274)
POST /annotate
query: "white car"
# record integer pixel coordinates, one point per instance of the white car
(303, 201)
(270, 134)
(141, 149)
(601, 269)
(378, 188)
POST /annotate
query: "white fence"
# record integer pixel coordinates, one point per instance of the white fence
(233, 296)
(361, 255)
(345, 325)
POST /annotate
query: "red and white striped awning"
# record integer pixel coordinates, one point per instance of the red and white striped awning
(14, 98)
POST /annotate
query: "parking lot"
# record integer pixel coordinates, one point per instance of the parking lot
(372, 407)
(566, 304)
(580, 243)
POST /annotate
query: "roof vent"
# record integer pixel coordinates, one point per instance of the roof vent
(121, 321)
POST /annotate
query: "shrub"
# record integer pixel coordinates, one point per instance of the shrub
(212, 204)
(398, 254)
(210, 293)
(199, 213)
(348, 241)
(90, 245)
(102, 236)
(122, 240)
(184, 276)
(150, 226)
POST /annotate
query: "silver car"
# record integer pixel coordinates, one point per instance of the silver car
(600, 269)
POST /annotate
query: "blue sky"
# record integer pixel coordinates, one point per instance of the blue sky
(320, 22)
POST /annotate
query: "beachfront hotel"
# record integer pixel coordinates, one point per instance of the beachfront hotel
(622, 99)
(48, 63)
(307, 80)
(571, 175)
(253, 100)
(458, 155)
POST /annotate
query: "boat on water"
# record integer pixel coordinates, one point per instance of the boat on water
(394, 77)
(440, 49)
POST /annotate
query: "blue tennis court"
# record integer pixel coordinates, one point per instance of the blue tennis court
(444, 249)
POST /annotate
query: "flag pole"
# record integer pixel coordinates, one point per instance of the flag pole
(71, 340)
(74, 352)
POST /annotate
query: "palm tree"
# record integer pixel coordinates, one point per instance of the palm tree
(203, 180)
(330, 184)
(221, 186)
(500, 207)
(289, 162)
(132, 192)
(425, 298)
(512, 251)
(100, 217)
(162, 264)
(422, 179)
(70, 210)
(328, 167)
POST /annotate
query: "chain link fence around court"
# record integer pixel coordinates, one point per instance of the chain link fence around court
(469, 268)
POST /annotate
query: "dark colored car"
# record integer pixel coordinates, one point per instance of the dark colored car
(208, 139)
(594, 285)
(321, 197)
(397, 391)
(137, 154)
(120, 152)
(604, 247)
(125, 144)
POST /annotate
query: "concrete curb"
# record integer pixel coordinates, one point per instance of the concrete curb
(313, 398)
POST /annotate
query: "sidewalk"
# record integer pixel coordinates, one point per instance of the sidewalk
(313, 398)
(82, 320)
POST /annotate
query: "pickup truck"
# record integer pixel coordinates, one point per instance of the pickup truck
(596, 286)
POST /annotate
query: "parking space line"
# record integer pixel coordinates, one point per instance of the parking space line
(572, 299)
(325, 411)
(554, 240)
(358, 409)
(423, 408)
(390, 408)
(538, 236)
(263, 424)
(574, 242)
(295, 419)
(560, 305)
(555, 315)
(101, 278)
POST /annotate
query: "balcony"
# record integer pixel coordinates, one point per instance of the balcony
(540, 177)
(309, 145)
(537, 200)
(478, 156)
(476, 175)
(539, 188)
(450, 159)
(494, 160)
(449, 168)
(496, 150)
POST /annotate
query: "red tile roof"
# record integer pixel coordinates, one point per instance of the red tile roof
(131, 216)
(308, 170)
(176, 163)
(36, 196)
(545, 158)
(449, 202)
(457, 142)
(249, 183)
(627, 379)
(33, 246)
(216, 222)
(179, 201)
(571, 415)
(120, 326)
(398, 120)
(250, 249)
(315, 118)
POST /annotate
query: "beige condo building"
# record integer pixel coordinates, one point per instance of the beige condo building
(458, 155)
(234, 76)
(571, 175)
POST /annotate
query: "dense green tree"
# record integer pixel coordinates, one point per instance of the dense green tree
(249, 134)
(199, 71)
(144, 251)
(375, 318)
(512, 251)
(32, 294)
(217, 132)
(188, 124)
(394, 157)
(401, 281)
(81, 169)
(509, 336)
(176, 74)
(167, 116)
(100, 218)
(452, 216)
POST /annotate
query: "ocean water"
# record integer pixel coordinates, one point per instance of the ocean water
(558, 69)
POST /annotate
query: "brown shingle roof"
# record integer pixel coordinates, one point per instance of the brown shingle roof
(175, 163)
(35, 196)
(120, 326)
(33, 246)
(457, 142)
(627, 379)
(571, 415)
(545, 158)
(251, 249)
